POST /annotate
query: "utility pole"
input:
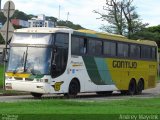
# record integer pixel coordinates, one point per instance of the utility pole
(59, 12)
(0, 5)
(67, 16)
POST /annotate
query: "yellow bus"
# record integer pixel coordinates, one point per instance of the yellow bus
(67, 61)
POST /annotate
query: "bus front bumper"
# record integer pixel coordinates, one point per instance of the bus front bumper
(27, 86)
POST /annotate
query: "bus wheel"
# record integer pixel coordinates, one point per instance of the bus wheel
(74, 89)
(36, 95)
(132, 87)
(140, 87)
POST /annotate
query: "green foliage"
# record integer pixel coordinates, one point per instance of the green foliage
(154, 29)
(150, 33)
(51, 18)
(23, 16)
(2, 18)
(122, 17)
(146, 35)
(69, 24)
(20, 15)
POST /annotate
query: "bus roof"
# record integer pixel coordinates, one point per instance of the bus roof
(85, 33)
(114, 37)
(44, 30)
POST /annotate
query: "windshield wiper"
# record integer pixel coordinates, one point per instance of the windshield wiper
(25, 61)
(21, 64)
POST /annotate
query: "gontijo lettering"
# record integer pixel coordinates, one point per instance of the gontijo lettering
(124, 64)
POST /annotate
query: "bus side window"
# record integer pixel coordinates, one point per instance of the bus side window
(83, 46)
(145, 52)
(154, 56)
(91, 47)
(75, 46)
(109, 48)
(123, 50)
(135, 51)
(98, 48)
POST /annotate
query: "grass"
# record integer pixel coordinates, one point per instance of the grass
(65, 109)
(129, 106)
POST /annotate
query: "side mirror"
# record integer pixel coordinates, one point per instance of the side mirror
(5, 54)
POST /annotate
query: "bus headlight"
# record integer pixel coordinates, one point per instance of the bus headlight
(8, 78)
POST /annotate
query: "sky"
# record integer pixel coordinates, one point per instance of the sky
(81, 11)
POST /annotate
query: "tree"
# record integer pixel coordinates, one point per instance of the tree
(122, 17)
(113, 16)
(134, 24)
(150, 33)
(69, 24)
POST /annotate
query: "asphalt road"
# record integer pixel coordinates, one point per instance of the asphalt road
(149, 93)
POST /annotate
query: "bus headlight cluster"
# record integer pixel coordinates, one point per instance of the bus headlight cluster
(42, 80)
(8, 78)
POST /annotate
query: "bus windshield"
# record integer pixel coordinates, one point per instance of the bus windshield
(32, 60)
(30, 53)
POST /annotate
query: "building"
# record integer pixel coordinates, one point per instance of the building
(21, 23)
(41, 21)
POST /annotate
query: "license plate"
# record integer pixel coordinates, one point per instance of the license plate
(8, 86)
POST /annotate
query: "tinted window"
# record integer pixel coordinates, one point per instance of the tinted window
(92, 45)
(154, 53)
(62, 40)
(109, 49)
(134, 51)
(75, 45)
(83, 46)
(122, 50)
(146, 52)
(79, 45)
(98, 47)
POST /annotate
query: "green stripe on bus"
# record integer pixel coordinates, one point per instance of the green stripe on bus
(93, 70)
(103, 71)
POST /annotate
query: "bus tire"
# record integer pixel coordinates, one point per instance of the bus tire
(36, 95)
(140, 87)
(132, 87)
(74, 89)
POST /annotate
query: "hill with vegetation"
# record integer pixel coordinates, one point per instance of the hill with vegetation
(149, 33)
(23, 16)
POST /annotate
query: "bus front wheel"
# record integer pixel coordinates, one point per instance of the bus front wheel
(74, 89)
(36, 95)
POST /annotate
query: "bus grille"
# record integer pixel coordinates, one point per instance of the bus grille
(29, 79)
(18, 78)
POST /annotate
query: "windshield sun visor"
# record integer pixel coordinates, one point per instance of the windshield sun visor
(34, 38)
